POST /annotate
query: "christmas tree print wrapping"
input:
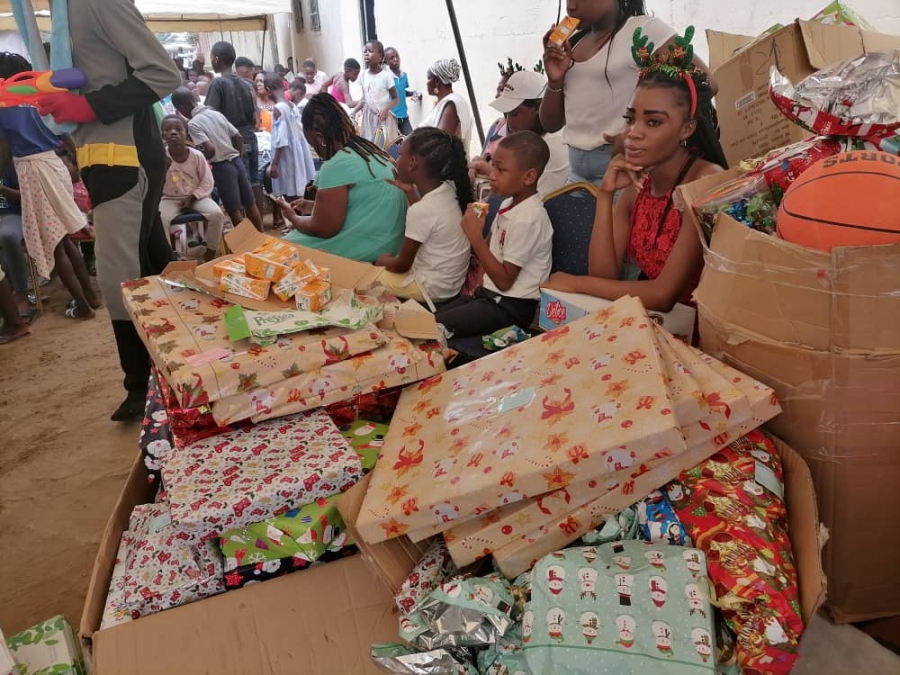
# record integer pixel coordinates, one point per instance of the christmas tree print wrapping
(243, 477)
(49, 648)
(186, 336)
(477, 438)
(396, 363)
(625, 608)
(285, 543)
(733, 507)
(157, 568)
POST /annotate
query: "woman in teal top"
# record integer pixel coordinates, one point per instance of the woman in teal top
(357, 213)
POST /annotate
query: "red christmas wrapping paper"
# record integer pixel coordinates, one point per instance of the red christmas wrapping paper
(733, 507)
(185, 334)
(158, 568)
(780, 168)
(521, 554)
(700, 394)
(432, 570)
(245, 476)
(522, 422)
(397, 363)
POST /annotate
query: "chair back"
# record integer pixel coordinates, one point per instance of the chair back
(380, 138)
(494, 203)
(571, 210)
(393, 148)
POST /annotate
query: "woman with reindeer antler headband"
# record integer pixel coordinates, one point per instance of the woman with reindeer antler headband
(670, 138)
(591, 77)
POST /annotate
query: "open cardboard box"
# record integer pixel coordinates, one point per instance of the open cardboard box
(823, 330)
(319, 621)
(393, 560)
(345, 273)
(411, 321)
(322, 621)
(750, 123)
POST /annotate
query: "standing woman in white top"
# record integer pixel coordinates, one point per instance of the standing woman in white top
(592, 78)
(379, 95)
(452, 112)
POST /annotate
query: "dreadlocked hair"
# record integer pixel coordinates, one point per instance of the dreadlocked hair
(13, 64)
(445, 159)
(704, 142)
(324, 115)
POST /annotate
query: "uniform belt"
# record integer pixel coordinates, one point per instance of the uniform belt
(108, 154)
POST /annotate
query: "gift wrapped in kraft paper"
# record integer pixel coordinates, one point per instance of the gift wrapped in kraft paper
(521, 554)
(734, 404)
(703, 397)
(187, 338)
(526, 421)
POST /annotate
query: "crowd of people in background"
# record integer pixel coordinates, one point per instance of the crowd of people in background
(304, 144)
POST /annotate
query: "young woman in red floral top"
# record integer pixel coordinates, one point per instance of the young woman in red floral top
(671, 137)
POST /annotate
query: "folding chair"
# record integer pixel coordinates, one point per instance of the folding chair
(571, 210)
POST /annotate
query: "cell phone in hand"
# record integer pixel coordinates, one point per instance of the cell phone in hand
(274, 198)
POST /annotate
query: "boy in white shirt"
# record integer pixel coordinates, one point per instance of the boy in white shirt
(516, 258)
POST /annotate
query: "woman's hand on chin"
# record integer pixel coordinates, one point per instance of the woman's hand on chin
(567, 283)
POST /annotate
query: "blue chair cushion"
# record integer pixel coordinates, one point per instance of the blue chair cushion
(572, 215)
(187, 217)
(494, 203)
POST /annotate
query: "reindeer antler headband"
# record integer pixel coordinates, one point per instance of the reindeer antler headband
(676, 62)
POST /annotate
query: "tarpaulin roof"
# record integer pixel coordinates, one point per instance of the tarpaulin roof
(165, 16)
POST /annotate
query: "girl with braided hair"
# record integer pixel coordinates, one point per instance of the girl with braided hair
(591, 77)
(452, 112)
(356, 213)
(433, 261)
(671, 138)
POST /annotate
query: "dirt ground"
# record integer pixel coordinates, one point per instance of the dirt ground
(62, 462)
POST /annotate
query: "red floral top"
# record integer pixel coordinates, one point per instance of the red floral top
(649, 245)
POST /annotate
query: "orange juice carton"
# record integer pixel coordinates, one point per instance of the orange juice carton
(246, 287)
(235, 265)
(264, 268)
(313, 296)
(563, 31)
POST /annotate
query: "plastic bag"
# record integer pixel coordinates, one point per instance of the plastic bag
(746, 199)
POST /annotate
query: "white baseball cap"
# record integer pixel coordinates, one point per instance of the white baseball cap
(522, 85)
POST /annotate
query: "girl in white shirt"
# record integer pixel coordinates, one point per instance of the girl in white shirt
(452, 112)
(379, 95)
(592, 78)
(434, 259)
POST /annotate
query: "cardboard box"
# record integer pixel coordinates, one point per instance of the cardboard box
(394, 559)
(390, 560)
(319, 621)
(345, 273)
(823, 330)
(750, 124)
(558, 309)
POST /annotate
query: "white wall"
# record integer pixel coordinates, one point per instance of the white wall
(338, 39)
(496, 29)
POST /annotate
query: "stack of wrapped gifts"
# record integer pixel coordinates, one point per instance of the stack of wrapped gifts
(256, 420)
(520, 454)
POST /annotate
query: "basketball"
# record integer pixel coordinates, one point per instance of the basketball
(844, 200)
